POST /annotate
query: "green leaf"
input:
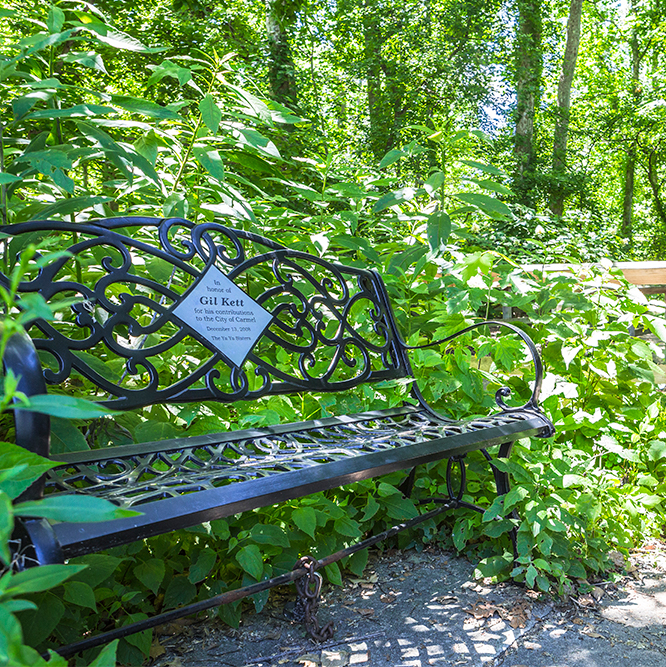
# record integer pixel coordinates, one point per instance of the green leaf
(258, 141)
(399, 507)
(305, 519)
(155, 431)
(486, 168)
(531, 575)
(89, 59)
(172, 70)
(393, 198)
(250, 560)
(6, 526)
(99, 567)
(507, 351)
(494, 565)
(210, 113)
(34, 307)
(487, 184)
(357, 562)
(38, 579)
(495, 510)
(496, 528)
(574, 480)
(477, 262)
(384, 490)
(55, 19)
(95, 363)
(269, 534)
(145, 108)
(576, 570)
(392, 156)
(58, 405)
(65, 437)
(38, 625)
(80, 593)
(73, 508)
(15, 606)
(439, 229)
(6, 178)
(211, 161)
(142, 640)
(107, 656)
(26, 466)
(434, 182)
(115, 38)
(657, 450)
(492, 207)
(460, 534)
(151, 573)
(71, 205)
(513, 497)
(78, 111)
(203, 565)
(333, 574)
(148, 147)
(358, 244)
(346, 526)
(371, 508)
(180, 591)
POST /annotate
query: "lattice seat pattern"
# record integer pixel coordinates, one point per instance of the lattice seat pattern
(131, 478)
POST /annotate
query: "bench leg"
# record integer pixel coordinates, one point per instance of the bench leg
(34, 543)
(407, 485)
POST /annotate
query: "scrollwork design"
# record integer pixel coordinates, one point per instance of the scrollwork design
(126, 311)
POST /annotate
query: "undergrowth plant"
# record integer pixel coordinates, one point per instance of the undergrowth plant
(24, 588)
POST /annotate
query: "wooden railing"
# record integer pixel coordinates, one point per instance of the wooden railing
(649, 277)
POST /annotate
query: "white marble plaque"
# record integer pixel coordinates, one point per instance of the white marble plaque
(224, 315)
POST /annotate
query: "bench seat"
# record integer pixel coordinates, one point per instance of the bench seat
(208, 477)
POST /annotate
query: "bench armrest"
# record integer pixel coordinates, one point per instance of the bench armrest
(502, 392)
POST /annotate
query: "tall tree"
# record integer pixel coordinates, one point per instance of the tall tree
(528, 69)
(564, 106)
(626, 229)
(280, 17)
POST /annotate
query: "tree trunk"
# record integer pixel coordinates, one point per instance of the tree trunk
(626, 229)
(564, 105)
(281, 68)
(372, 57)
(655, 185)
(628, 199)
(529, 64)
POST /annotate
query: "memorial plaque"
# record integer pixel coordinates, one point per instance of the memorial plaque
(224, 315)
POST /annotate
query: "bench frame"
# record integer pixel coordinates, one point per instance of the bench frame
(298, 315)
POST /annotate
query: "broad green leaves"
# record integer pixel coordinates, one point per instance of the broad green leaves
(79, 509)
(210, 113)
(20, 468)
(489, 205)
(58, 405)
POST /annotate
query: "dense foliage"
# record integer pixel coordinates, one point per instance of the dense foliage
(153, 114)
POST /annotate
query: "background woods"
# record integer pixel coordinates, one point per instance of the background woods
(444, 142)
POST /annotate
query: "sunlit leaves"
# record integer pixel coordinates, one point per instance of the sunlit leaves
(210, 113)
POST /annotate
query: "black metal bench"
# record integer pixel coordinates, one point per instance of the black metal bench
(248, 318)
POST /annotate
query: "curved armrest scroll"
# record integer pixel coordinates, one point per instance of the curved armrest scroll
(532, 403)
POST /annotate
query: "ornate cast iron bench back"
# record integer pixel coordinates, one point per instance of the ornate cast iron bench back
(239, 317)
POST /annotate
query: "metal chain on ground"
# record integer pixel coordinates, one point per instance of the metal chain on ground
(308, 589)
